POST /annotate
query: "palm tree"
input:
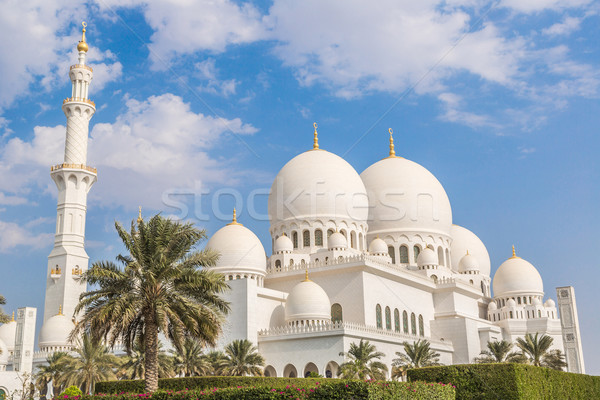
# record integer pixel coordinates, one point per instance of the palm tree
(189, 360)
(362, 362)
(133, 365)
(417, 355)
(161, 288)
(216, 361)
(242, 359)
(51, 372)
(534, 347)
(92, 363)
(499, 351)
(3, 317)
(537, 351)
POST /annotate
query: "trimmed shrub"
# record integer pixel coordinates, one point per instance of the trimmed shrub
(302, 389)
(510, 381)
(71, 391)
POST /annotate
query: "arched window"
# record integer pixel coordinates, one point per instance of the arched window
(277, 265)
(518, 300)
(306, 238)
(378, 316)
(511, 314)
(448, 261)
(405, 321)
(396, 320)
(403, 254)
(388, 319)
(416, 250)
(539, 314)
(413, 323)
(336, 313)
(291, 262)
(435, 278)
(318, 237)
(482, 288)
(421, 326)
(295, 239)
(441, 256)
(353, 240)
(360, 241)
(392, 254)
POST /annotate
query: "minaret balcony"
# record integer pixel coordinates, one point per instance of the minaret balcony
(55, 274)
(82, 66)
(79, 100)
(73, 166)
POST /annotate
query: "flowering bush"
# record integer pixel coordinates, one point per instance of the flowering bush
(71, 391)
(301, 389)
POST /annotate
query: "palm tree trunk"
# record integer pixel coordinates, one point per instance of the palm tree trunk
(151, 356)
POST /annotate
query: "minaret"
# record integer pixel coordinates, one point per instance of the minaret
(74, 178)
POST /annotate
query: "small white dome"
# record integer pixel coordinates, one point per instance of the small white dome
(427, 257)
(317, 185)
(3, 353)
(283, 244)
(536, 301)
(517, 276)
(511, 303)
(240, 250)
(8, 333)
(492, 306)
(307, 302)
(378, 246)
(463, 240)
(337, 241)
(402, 183)
(468, 263)
(549, 303)
(56, 331)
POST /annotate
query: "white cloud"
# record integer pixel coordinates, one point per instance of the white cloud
(12, 235)
(569, 25)
(209, 73)
(42, 51)
(452, 105)
(531, 6)
(388, 46)
(185, 27)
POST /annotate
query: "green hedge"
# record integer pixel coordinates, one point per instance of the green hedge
(300, 389)
(510, 381)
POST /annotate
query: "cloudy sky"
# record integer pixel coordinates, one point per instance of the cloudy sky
(200, 103)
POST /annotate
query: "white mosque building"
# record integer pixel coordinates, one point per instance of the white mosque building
(371, 256)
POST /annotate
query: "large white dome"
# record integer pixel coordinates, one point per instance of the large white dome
(55, 331)
(427, 257)
(404, 196)
(464, 240)
(307, 302)
(7, 334)
(516, 276)
(317, 185)
(240, 250)
(468, 264)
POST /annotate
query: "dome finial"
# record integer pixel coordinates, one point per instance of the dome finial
(82, 46)
(13, 317)
(60, 310)
(306, 276)
(467, 251)
(392, 152)
(234, 219)
(514, 254)
(315, 139)
(139, 219)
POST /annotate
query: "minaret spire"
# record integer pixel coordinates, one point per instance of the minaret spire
(392, 151)
(315, 138)
(74, 179)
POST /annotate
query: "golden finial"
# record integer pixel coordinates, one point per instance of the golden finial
(315, 139)
(467, 251)
(140, 219)
(306, 276)
(514, 255)
(60, 310)
(82, 46)
(13, 317)
(234, 219)
(392, 152)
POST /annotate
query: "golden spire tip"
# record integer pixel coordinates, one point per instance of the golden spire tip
(315, 139)
(234, 219)
(392, 151)
(514, 253)
(82, 46)
(306, 276)
(13, 317)
(60, 310)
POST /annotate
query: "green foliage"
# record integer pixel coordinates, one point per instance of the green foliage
(242, 359)
(3, 317)
(71, 391)
(252, 388)
(500, 351)
(510, 381)
(362, 362)
(418, 354)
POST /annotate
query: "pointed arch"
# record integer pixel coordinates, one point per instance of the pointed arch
(378, 316)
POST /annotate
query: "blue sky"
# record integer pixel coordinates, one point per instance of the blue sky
(198, 100)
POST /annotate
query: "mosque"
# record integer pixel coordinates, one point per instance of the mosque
(371, 256)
